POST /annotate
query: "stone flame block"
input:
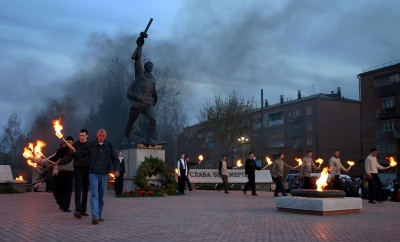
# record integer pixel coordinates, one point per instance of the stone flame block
(319, 206)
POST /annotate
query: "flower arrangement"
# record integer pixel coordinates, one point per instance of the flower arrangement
(152, 166)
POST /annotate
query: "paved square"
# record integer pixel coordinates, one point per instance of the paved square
(197, 216)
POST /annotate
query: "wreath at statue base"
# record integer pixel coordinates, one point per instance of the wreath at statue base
(151, 167)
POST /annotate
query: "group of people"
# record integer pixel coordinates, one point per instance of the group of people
(82, 163)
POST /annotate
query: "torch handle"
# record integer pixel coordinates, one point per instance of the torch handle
(46, 158)
(39, 170)
(349, 168)
(70, 146)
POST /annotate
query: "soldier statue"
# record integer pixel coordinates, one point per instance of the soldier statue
(142, 95)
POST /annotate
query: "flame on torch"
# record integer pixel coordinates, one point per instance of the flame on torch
(27, 153)
(321, 182)
(201, 157)
(268, 160)
(19, 178)
(38, 148)
(350, 163)
(58, 127)
(299, 161)
(239, 163)
(392, 161)
(31, 163)
(319, 160)
(176, 170)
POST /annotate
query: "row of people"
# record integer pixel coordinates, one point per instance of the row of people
(84, 162)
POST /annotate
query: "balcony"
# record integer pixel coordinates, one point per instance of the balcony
(387, 89)
(295, 133)
(396, 134)
(388, 112)
(292, 120)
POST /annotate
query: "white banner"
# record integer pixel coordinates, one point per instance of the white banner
(235, 176)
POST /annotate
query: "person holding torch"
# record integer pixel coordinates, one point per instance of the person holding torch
(374, 182)
(277, 174)
(306, 170)
(335, 166)
(101, 154)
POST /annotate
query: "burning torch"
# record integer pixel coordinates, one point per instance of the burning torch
(269, 162)
(58, 128)
(238, 163)
(319, 161)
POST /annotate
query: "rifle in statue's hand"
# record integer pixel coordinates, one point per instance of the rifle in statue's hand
(142, 35)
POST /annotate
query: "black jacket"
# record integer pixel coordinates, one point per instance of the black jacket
(250, 166)
(100, 156)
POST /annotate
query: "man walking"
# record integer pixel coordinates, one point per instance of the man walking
(188, 165)
(101, 154)
(81, 174)
(250, 169)
(223, 173)
(335, 166)
(182, 173)
(277, 174)
(306, 170)
(374, 182)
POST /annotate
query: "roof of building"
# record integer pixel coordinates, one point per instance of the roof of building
(380, 67)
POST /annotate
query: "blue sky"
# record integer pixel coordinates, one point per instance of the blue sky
(212, 47)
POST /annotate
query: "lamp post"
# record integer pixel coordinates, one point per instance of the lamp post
(243, 141)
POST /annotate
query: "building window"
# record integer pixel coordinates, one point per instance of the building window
(387, 80)
(309, 125)
(389, 125)
(296, 142)
(276, 143)
(294, 113)
(388, 102)
(309, 110)
(309, 140)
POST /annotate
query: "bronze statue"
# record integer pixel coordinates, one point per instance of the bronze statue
(142, 94)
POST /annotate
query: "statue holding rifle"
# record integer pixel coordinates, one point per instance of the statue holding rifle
(142, 95)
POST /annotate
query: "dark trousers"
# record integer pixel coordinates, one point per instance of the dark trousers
(119, 184)
(224, 182)
(337, 183)
(81, 184)
(308, 183)
(374, 188)
(188, 183)
(181, 181)
(65, 180)
(148, 111)
(252, 182)
(279, 186)
(55, 188)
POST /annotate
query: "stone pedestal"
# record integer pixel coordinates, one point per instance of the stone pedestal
(133, 158)
(319, 206)
(6, 179)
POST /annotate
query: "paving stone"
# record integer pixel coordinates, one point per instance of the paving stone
(196, 216)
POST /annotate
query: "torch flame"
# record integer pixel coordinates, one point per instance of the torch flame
(319, 160)
(176, 170)
(19, 178)
(38, 148)
(201, 157)
(299, 161)
(58, 127)
(321, 182)
(239, 163)
(350, 163)
(31, 163)
(27, 153)
(268, 160)
(392, 161)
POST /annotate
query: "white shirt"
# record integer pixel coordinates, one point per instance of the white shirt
(120, 159)
(181, 162)
(372, 165)
(335, 165)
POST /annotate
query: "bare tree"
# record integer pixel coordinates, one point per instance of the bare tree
(223, 121)
(10, 140)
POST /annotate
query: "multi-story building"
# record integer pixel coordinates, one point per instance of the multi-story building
(380, 111)
(320, 123)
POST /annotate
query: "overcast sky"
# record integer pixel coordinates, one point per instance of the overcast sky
(53, 48)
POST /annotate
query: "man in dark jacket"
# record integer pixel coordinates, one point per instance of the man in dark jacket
(81, 174)
(189, 164)
(250, 169)
(101, 153)
(119, 181)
